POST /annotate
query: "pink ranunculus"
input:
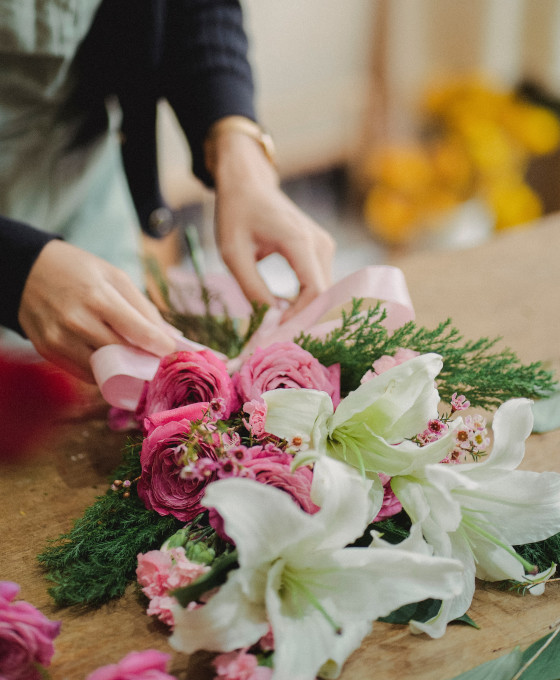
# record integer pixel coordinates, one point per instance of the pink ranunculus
(147, 665)
(239, 665)
(285, 365)
(26, 636)
(161, 486)
(190, 412)
(187, 378)
(272, 466)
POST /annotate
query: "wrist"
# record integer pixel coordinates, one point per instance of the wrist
(238, 147)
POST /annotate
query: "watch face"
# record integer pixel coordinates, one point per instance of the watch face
(161, 221)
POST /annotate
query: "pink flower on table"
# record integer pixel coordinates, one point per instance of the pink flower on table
(187, 378)
(26, 636)
(285, 365)
(161, 571)
(240, 665)
(166, 451)
(147, 665)
(386, 362)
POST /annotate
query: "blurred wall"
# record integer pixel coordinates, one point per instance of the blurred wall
(312, 66)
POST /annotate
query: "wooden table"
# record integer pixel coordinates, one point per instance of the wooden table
(509, 287)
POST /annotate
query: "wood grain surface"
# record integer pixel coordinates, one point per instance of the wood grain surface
(510, 287)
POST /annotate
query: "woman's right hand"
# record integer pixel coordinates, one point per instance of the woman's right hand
(74, 303)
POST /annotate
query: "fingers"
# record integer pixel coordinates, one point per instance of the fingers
(241, 261)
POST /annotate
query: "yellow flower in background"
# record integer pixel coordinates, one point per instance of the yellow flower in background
(537, 129)
(513, 202)
(478, 140)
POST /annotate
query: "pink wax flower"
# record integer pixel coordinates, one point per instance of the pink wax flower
(386, 362)
(285, 365)
(187, 378)
(240, 665)
(147, 665)
(165, 452)
(161, 571)
(26, 636)
(459, 403)
(391, 504)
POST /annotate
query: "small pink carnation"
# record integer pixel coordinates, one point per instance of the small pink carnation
(147, 665)
(26, 636)
(161, 571)
(240, 666)
(256, 409)
(387, 362)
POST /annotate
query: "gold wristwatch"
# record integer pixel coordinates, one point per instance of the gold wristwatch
(243, 125)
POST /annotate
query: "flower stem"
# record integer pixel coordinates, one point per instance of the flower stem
(529, 568)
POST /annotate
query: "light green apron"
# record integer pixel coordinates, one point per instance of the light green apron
(83, 194)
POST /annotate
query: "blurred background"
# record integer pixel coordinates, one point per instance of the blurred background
(400, 125)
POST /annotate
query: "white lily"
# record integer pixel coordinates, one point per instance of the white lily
(369, 427)
(476, 512)
(296, 572)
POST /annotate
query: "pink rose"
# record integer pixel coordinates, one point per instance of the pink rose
(285, 365)
(239, 665)
(161, 486)
(187, 378)
(147, 665)
(26, 636)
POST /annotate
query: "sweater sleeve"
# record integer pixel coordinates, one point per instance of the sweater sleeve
(205, 71)
(20, 246)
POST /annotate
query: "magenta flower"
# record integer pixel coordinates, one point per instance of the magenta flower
(26, 636)
(187, 378)
(147, 665)
(285, 365)
(166, 450)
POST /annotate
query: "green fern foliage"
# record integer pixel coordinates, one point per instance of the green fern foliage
(487, 377)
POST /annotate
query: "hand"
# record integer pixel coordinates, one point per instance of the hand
(74, 302)
(254, 218)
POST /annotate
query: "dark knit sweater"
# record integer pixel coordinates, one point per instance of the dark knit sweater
(191, 52)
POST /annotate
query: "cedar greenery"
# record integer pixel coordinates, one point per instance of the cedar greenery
(485, 377)
(96, 559)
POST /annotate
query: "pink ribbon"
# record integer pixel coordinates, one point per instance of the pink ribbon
(121, 370)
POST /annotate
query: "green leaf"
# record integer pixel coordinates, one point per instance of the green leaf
(417, 611)
(540, 661)
(543, 659)
(214, 578)
(467, 620)
(503, 668)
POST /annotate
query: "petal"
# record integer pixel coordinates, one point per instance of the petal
(261, 519)
(456, 606)
(396, 404)
(373, 582)
(512, 425)
(292, 659)
(342, 495)
(228, 621)
(524, 505)
(292, 412)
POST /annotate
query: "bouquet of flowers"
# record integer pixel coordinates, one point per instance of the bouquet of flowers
(276, 504)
